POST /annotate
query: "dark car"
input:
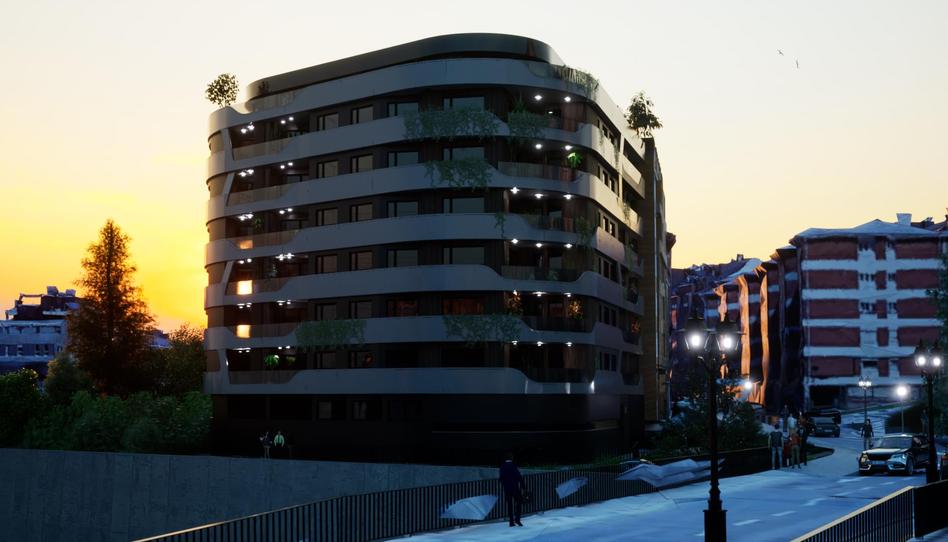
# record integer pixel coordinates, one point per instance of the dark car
(901, 453)
(826, 413)
(824, 426)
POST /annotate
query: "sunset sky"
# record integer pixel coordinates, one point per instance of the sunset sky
(103, 114)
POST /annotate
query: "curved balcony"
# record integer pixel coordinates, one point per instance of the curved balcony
(426, 278)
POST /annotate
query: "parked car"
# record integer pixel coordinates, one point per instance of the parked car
(823, 426)
(899, 452)
(825, 413)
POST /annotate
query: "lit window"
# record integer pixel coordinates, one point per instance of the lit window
(244, 287)
(243, 331)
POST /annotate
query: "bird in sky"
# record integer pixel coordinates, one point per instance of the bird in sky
(779, 52)
(798, 63)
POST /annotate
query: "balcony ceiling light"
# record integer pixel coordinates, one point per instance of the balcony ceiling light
(242, 174)
(289, 209)
(538, 146)
(515, 241)
(567, 147)
(282, 166)
(289, 164)
(513, 343)
(291, 120)
(568, 245)
(249, 172)
(249, 260)
(549, 112)
(568, 294)
(539, 245)
(515, 292)
(538, 97)
(250, 126)
(514, 190)
(283, 122)
(538, 195)
(243, 130)
(567, 99)
(282, 212)
(568, 196)
(289, 255)
(569, 343)
(539, 343)
(538, 294)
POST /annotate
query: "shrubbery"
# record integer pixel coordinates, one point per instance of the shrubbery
(689, 432)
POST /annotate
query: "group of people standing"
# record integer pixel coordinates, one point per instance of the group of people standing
(788, 442)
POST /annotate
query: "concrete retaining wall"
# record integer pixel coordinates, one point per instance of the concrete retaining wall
(53, 495)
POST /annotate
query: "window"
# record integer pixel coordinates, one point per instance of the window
(325, 360)
(865, 246)
(360, 212)
(865, 277)
(360, 260)
(360, 309)
(607, 361)
(402, 257)
(327, 169)
(608, 315)
(469, 102)
(360, 360)
(360, 163)
(463, 205)
(463, 305)
(326, 311)
(401, 307)
(366, 410)
(607, 224)
(630, 369)
(402, 158)
(324, 410)
(327, 217)
(361, 114)
(400, 108)
(327, 122)
(866, 308)
(402, 208)
(463, 255)
(328, 263)
(459, 153)
(892, 308)
(891, 277)
(607, 268)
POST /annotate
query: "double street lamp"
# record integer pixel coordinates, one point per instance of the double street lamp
(711, 348)
(902, 391)
(929, 362)
(865, 384)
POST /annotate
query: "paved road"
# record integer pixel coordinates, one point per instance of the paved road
(773, 505)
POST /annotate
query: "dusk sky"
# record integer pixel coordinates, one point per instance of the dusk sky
(104, 115)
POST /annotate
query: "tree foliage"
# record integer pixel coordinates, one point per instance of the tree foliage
(473, 173)
(330, 334)
(475, 329)
(640, 116)
(222, 91)
(111, 330)
(64, 378)
(450, 123)
(939, 296)
(19, 401)
(178, 369)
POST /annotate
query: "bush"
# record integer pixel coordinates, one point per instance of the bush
(64, 378)
(689, 432)
(20, 401)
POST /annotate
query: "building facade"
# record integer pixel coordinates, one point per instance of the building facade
(33, 333)
(441, 250)
(856, 306)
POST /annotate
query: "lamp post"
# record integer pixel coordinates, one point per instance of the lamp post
(902, 392)
(929, 362)
(865, 384)
(711, 348)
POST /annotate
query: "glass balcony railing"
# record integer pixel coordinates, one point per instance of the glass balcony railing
(549, 223)
(259, 194)
(263, 239)
(541, 171)
(555, 323)
(522, 272)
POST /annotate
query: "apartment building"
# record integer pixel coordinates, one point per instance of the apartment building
(437, 251)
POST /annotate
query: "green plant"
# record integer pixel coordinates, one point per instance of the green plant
(584, 229)
(577, 77)
(500, 218)
(20, 401)
(470, 173)
(480, 328)
(574, 159)
(64, 378)
(524, 125)
(330, 334)
(271, 361)
(575, 309)
(450, 123)
(222, 91)
(640, 116)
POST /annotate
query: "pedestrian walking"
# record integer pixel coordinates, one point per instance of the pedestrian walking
(512, 482)
(776, 447)
(794, 449)
(804, 431)
(266, 442)
(866, 434)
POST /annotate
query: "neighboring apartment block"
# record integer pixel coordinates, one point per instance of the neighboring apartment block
(441, 250)
(33, 333)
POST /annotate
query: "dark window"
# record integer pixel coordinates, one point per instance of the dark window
(402, 258)
(367, 410)
(327, 122)
(360, 309)
(458, 153)
(402, 208)
(327, 264)
(325, 360)
(400, 108)
(402, 158)
(360, 163)
(464, 255)
(360, 212)
(326, 311)
(362, 114)
(327, 169)
(331, 409)
(327, 217)
(464, 205)
(360, 260)
(463, 305)
(401, 307)
(468, 102)
(291, 407)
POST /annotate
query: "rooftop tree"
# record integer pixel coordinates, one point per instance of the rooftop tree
(640, 116)
(222, 91)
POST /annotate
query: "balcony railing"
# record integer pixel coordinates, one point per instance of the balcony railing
(549, 223)
(259, 194)
(264, 330)
(261, 149)
(552, 323)
(523, 272)
(541, 171)
(261, 285)
(263, 239)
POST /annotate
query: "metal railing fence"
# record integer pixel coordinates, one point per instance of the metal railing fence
(889, 519)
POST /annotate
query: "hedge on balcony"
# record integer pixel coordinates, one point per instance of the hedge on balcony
(450, 123)
(481, 328)
(330, 334)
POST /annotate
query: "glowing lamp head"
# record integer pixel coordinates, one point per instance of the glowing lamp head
(748, 385)
(696, 334)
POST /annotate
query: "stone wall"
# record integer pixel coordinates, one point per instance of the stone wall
(53, 495)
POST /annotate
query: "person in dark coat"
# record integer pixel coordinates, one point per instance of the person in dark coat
(512, 482)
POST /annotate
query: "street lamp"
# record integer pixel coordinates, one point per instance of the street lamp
(711, 348)
(929, 362)
(865, 384)
(902, 392)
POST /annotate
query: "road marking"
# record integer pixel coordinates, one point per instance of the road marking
(812, 502)
(842, 493)
(700, 534)
(746, 522)
(787, 513)
(847, 480)
(886, 483)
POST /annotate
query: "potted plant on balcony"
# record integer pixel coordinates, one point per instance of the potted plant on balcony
(574, 310)
(514, 304)
(574, 159)
(271, 361)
